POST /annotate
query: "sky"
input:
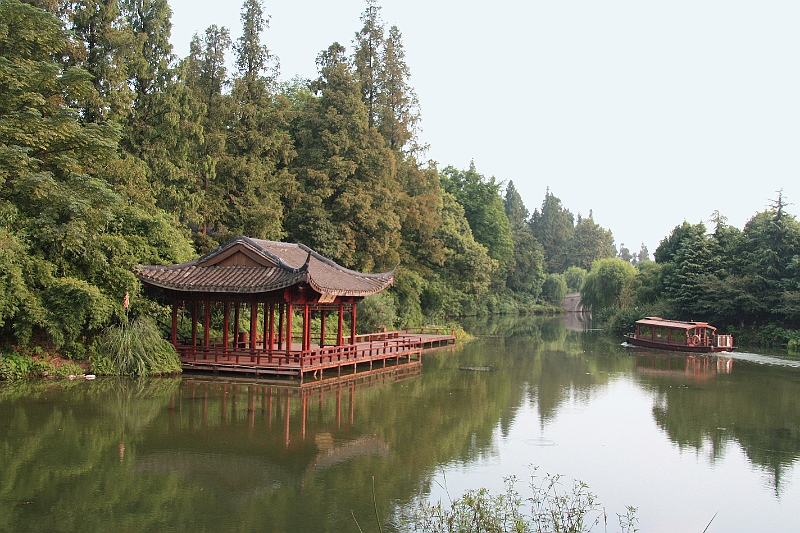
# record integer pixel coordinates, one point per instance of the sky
(644, 112)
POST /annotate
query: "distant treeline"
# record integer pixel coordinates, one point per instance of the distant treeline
(747, 281)
(113, 153)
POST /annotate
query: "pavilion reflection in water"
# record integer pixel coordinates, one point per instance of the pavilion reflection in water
(247, 437)
(205, 402)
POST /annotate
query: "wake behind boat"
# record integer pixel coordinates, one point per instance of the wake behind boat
(656, 332)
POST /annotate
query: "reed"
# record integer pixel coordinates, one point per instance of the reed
(550, 507)
(136, 348)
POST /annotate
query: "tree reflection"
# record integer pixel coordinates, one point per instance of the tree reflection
(712, 401)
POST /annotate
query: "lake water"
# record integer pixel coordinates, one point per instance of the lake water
(683, 439)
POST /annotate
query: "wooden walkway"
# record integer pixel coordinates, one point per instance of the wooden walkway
(367, 352)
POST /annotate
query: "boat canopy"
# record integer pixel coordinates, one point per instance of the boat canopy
(674, 324)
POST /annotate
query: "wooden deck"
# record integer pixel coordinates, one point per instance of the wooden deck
(367, 352)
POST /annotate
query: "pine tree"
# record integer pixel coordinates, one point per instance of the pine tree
(515, 209)
(254, 170)
(368, 45)
(552, 227)
(347, 203)
(107, 44)
(399, 114)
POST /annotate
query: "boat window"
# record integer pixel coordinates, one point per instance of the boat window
(662, 333)
(646, 331)
(678, 335)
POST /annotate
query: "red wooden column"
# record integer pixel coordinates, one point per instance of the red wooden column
(194, 326)
(340, 331)
(266, 337)
(353, 324)
(225, 326)
(280, 326)
(236, 326)
(271, 327)
(206, 322)
(175, 322)
(306, 327)
(322, 329)
(253, 325)
(288, 328)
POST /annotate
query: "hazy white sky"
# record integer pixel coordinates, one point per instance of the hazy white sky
(647, 112)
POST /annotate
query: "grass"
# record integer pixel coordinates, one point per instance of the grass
(135, 348)
(550, 508)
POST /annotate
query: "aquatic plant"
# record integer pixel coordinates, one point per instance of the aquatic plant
(549, 508)
(793, 346)
(135, 348)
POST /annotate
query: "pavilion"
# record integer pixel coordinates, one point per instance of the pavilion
(271, 285)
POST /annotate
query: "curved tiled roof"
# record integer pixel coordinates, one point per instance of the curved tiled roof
(248, 266)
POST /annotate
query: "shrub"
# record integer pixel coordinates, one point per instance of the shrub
(794, 346)
(14, 366)
(135, 348)
(552, 508)
(375, 312)
(554, 288)
(575, 277)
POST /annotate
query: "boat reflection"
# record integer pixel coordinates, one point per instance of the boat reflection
(693, 366)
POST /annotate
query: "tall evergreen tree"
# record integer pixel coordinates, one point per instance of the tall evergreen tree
(368, 45)
(346, 205)
(149, 65)
(399, 114)
(552, 227)
(254, 172)
(107, 44)
(515, 209)
(587, 243)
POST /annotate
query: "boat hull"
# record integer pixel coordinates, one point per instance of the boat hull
(646, 343)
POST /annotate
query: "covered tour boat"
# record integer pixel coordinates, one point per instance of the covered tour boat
(655, 332)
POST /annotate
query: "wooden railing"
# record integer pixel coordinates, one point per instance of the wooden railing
(378, 346)
(431, 330)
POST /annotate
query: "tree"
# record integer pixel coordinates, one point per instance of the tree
(552, 227)
(71, 240)
(466, 273)
(368, 45)
(644, 254)
(253, 174)
(554, 289)
(587, 243)
(768, 258)
(107, 45)
(575, 277)
(399, 114)
(253, 59)
(515, 209)
(346, 175)
(527, 271)
(693, 258)
(149, 65)
(625, 254)
(484, 211)
(604, 285)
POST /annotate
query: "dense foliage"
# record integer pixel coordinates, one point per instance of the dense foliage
(746, 281)
(113, 153)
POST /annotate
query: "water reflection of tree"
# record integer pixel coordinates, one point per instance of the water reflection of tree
(61, 464)
(221, 454)
(756, 406)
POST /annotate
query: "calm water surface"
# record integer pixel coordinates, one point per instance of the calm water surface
(680, 438)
